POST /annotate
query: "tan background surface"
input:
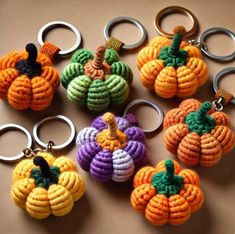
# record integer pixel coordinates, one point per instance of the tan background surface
(105, 208)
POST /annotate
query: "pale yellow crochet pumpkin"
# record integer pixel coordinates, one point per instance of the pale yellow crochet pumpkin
(46, 185)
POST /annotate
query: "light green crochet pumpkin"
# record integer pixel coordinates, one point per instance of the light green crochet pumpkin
(97, 81)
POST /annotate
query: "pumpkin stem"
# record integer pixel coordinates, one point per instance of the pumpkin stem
(99, 57)
(179, 32)
(32, 53)
(30, 66)
(110, 120)
(97, 69)
(204, 108)
(199, 121)
(167, 182)
(173, 55)
(44, 166)
(170, 170)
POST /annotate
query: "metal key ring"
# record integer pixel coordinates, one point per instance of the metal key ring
(219, 76)
(211, 31)
(155, 107)
(175, 9)
(56, 117)
(55, 24)
(10, 126)
(122, 19)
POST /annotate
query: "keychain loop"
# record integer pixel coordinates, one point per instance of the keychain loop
(10, 126)
(55, 24)
(175, 9)
(210, 32)
(51, 145)
(154, 106)
(218, 77)
(218, 104)
(122, 19)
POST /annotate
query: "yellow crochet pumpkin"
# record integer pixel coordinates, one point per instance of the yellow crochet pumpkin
(46, 185)
(172, 68)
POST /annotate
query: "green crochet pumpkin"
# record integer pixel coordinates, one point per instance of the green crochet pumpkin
(97, 81)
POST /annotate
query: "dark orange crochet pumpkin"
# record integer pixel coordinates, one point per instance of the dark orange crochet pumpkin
(197, 134)
(166, 194)
(28, 79)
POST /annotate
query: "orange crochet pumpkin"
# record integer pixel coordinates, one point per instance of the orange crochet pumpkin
(172, 68)
(166, 194)
(28, 79)
(197, 133)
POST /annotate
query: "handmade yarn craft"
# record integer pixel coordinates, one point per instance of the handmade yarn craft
(198, 134)
(172, 68)
(166, 193)
(96, 81)
(28, 78)
(46, 185)
(112, 148)
(43, 184)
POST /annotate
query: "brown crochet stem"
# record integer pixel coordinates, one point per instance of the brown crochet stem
(98, 60)
(97, 68)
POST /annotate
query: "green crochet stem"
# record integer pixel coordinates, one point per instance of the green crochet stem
(199, 121)
(167, 183)
(172, 55)
(45, 175)
(174, 49)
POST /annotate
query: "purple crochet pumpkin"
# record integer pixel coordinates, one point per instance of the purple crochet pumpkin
(112, 148)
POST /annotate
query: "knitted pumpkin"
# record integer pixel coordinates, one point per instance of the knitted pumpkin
(46, 185)
(112, 148)
(28, 79)
(166, 194)
(197, 133)
(97, 81)
(172, 68)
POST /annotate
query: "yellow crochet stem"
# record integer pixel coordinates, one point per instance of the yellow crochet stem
(110, 120)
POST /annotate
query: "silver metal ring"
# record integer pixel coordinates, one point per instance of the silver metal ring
(55, 24)
(211, 31)
(122, 19)
(219, 76)
(56, 117)
(10, 126)
(155, 107)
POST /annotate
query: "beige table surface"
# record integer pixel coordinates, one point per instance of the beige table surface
(105, 208)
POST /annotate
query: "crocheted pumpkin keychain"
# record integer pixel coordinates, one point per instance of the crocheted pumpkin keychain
(96, 81)
(166, 193)
(199, 133)
(45, 185)
(28, 78)
(112, 148)
(172, 68)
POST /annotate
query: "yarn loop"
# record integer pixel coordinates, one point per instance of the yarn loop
(167, 182)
